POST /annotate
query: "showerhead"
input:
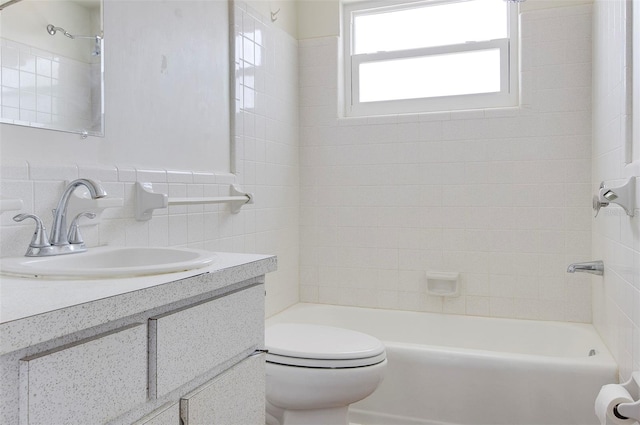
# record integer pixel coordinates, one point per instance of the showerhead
(52, 30)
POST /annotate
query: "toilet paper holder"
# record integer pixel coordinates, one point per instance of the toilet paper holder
(630, 410)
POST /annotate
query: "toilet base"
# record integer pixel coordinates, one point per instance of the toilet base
(328, 416)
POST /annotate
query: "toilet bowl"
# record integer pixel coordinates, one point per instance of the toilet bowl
(315, 372)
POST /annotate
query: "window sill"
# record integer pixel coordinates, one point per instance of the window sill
(502, 112)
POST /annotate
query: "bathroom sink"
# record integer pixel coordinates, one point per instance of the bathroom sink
(109, 262)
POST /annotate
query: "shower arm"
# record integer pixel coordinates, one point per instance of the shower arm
(9, 3)
(52, 30)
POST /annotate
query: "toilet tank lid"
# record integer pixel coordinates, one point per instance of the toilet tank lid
(320, 342)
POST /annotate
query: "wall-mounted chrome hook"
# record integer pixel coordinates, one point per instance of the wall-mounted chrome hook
(624, 195)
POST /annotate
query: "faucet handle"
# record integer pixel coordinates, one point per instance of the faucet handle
(39, 239)
(624, 195)
(74, 230)
(597, 204)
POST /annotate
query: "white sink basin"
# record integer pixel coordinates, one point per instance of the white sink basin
(109, 262)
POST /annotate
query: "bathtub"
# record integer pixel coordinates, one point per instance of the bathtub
(449, 369)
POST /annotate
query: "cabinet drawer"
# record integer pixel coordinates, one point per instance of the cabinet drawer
(88, 382)
(166, 415)
(189, 342)
(234, 397)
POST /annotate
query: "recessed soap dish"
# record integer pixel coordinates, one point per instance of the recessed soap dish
(443, 284)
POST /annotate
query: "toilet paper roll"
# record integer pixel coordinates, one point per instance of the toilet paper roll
(608, 398)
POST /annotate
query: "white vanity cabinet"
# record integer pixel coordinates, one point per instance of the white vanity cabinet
(182, 352)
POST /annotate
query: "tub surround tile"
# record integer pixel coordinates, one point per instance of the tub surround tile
(478, 306)
(615, 239)
(466, 191)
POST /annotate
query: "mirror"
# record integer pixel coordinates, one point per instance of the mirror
(51, 56)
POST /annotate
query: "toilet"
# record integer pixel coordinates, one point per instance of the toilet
(315, 372)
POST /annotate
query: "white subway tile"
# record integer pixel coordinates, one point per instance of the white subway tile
(526, 309)
(101, 173)
(178, 229)
(179, 176)
(137, 234)
(14, 170)
(149, 175)
(477, 306)
(501, 307)
(17, 189)
(48, 172)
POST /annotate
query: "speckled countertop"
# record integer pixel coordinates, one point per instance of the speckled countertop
(35, 310)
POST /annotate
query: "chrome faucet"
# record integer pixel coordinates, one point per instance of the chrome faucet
(59, 243)
(59, 235)
(593, 267)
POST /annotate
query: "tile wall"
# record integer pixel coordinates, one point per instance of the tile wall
(265, 162)
(502, 196)
(616, 236)
(41, 87)
(267, 146)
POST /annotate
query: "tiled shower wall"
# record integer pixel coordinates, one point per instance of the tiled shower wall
(502, 196)
(266, 163)
(616, 236)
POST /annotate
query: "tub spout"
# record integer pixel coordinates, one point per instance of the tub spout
(593, 267)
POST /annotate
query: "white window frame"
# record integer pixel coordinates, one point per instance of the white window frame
(508, 47)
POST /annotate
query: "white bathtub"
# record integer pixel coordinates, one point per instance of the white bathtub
(448, 369)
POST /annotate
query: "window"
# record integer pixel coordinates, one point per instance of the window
(429, 56)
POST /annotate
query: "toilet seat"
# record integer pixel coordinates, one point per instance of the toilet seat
(317, 346)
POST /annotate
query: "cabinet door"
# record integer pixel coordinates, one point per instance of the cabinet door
(186, 343)
(232, 398)
(87, 382)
